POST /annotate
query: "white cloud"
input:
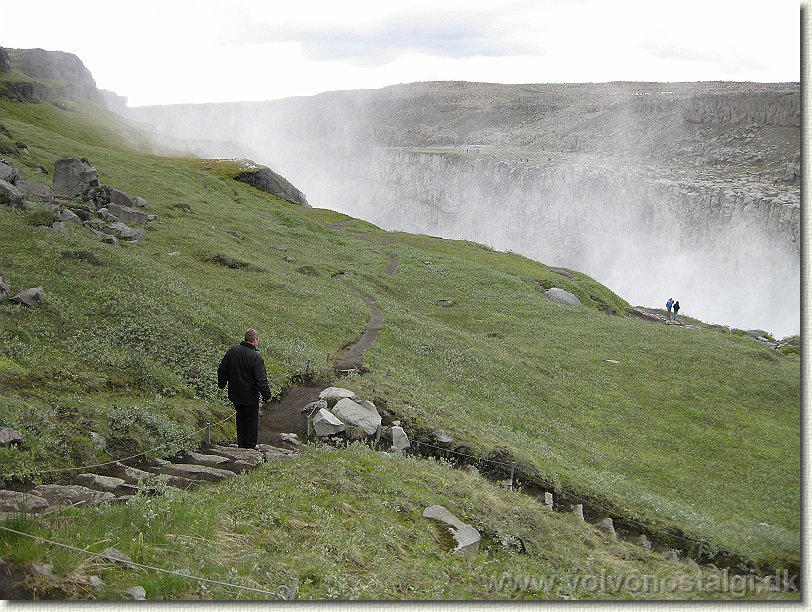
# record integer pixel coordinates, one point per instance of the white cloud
(178, 51)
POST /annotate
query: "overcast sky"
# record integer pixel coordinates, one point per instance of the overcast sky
(169, 51)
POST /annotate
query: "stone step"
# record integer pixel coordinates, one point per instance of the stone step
(250, 456)
(133, 476)
(204, 459)
(272, 453)
(110, 484)
(15, 501)
(71, 494)
(194, 471)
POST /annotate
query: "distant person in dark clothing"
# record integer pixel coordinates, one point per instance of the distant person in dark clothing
(243, 370)
(676, 310)
(668, 306)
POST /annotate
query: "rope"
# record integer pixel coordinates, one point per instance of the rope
(95, 465)
(141, 565)
(572, 495)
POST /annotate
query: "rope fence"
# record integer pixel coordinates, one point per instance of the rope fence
(700, 543)
(206, 429)
(282, 592)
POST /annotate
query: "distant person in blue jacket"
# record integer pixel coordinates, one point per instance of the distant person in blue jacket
(668, 305)
(676, 310)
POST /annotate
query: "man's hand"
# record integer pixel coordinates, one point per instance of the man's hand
(265, 405)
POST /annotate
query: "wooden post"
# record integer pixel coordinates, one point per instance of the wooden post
(512, 473)
(699, 551)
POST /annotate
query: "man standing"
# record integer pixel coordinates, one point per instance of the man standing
(668, 306)
(243, 370)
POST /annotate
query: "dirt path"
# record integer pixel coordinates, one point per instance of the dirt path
(352, 358)
(285, 416)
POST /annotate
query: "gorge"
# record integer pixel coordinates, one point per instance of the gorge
(684, 190)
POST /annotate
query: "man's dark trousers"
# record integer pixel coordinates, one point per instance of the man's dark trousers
(247, 425)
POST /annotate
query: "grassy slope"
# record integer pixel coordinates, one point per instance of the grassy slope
(697, 429)
(348, 525)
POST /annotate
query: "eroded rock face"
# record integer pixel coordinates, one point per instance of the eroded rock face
(5, 61)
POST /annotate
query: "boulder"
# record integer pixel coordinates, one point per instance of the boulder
(138, 593)
(124, 231)
(333, 394)
(467, 537)
(29, 297)
(73, 176)
(59, 227)
(578, 510)
(14, 501)
(127, 214)
(68, 216)
(314, 407)
(82, 213)
(643, 541)
(71, 494)
(445, 303)
(265, 179)
(8, 172)
(364, 415)
(327, 424)
(442, 439)
(607, 526)
(400, 441)
(562, 297)
(9, 194)
(4, 290)
(120, 198)
(98, 440)
(113, 554)
(140, 202)
(35, 189)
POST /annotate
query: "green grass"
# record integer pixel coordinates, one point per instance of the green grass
(348, 525)
(692, 429)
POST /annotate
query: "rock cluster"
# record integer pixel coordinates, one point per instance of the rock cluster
(77, 199)
(339, 410)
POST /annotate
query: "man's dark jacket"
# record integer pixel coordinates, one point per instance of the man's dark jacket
(244, 371)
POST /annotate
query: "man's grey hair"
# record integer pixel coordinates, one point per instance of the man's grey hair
(251, 335)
